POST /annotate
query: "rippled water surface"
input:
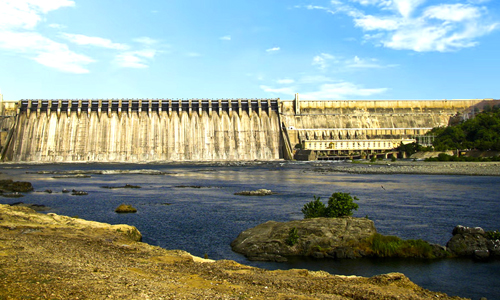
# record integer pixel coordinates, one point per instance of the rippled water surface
(175, 215)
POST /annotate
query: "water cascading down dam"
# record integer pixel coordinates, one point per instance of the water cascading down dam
(147, 130)
(144, 130)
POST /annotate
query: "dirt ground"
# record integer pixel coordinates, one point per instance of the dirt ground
(56, 257)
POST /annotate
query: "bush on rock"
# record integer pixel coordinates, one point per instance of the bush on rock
(339, 205)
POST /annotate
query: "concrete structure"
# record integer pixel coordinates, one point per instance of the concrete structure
(145, 130)
(135, 130)
(317, 125)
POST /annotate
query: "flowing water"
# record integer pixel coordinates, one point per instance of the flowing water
(193, 208)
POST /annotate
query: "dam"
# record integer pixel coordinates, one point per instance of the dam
(155, 130)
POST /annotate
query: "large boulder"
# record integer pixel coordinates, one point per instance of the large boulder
(315, 237)
(472, 242)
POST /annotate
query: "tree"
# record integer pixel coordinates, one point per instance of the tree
(339, 205)
(314, 209)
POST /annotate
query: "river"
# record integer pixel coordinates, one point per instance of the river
(193, 207)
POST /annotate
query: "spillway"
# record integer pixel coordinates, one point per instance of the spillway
(145, 130)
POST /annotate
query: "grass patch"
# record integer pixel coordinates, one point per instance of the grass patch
(392, 246)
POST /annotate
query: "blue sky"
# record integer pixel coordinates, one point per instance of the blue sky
(321, 49)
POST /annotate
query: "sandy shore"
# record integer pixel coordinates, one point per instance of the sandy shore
(57, 257)
(413, 167)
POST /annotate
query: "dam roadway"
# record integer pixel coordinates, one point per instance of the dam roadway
(142, 130)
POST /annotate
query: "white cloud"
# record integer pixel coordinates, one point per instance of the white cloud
(375, 23)
(26, 14)
(193, 54)
(341, 90)
(135, 59)
(19, 18)
(410, 25)
(285, 90)
(367, 63)
(57, 26)
(64, 60)
(81, 39)
(406, 7)
(45, 51)
(285, 81)
(322, 60)
(326, 91)
(146, 41)
(452, 12)
(273, 49)
(308, 79)
(225, 38)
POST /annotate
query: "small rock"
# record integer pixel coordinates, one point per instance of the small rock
(13, 195)
(259, 192)
(459, 229)
(79, 193)
(125, 208)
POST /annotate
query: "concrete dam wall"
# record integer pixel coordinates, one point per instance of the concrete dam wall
(368, 119)
(124, 130)
(144, 130)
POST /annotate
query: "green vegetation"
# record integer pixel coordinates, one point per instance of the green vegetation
(339, 205)
(481, 132)
(493, 235)
(293, 237)
(446, 157)
(392, 246)
(412, 148)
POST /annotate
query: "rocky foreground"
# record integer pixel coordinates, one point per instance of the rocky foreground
(57, 257)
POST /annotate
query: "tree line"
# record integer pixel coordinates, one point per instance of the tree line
(482, 132)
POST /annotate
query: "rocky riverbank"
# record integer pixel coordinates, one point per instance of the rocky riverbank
(56, 257)
(413, 167)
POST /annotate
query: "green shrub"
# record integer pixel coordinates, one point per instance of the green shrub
(373, 159)
(293, 237)
(314, 209)
(493, 235)
(339, 205)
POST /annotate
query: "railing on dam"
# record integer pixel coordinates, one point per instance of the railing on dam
(150, 105)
